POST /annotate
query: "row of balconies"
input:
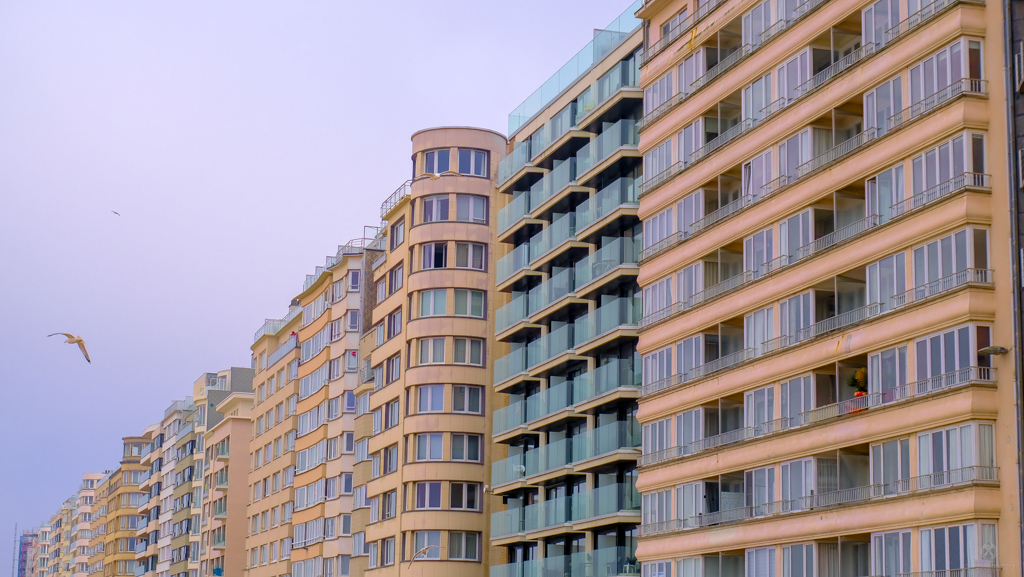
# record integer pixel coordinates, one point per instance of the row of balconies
(568, 455)
(601, 562)
(567, 512)
(566, 396)
(855, 407)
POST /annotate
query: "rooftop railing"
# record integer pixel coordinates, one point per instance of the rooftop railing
(396, 197)
(271, 326)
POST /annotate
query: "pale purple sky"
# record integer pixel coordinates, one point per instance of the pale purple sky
(241, 142)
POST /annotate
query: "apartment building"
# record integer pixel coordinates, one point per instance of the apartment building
(825, 252)
(39, 553)
(302, 450)
(72, 531)
(25, 547)
(422, 408)
(148, 533)
(228, 430)
(208, 391)
(115, 519)
(571, 236)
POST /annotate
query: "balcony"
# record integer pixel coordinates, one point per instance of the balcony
(513, 262)
(510, 366)
(622, 77)
(583, 389)
(619, 313)
(606, 440)
(509, 418)
(559, 286)
(590, 505)
(955, 185)
(621, 135)
(288, 346)
(561, 230)
(968, 376)
(516, 311)
(835, 153)
(619, 194)
(934, 101)
(551, 184)
(971, 277)
(558, 457)
(395, 198)
(557, 342)
(620, 252)
(514, 211)
(514, 162)
(678, 31)
(966, 476)
(604, 562)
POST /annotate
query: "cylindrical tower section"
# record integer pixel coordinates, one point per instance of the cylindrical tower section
(430, 367)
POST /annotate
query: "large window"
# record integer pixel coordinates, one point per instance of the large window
(464, 496)
(435, 255)
(464, 545)
(468, 303)
(961, 154)
(427, 544)
(468, 351)
(397, 234)
(430, 399)
(945, 358)
(395, 278)
(469, 255)
(939, 262)
(436, 161)
(428, 495)
(435, 208)
(428, 447)
(432, 351)
(470, 208)
(465, 447)
(433, 303)
(956, 549)
(467, 399)
(473, 162)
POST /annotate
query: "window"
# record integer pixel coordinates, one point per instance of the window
(466, 399)
(397, 234)
(890, 553)
(881, 104)
(957, 548)
(799, 559)
(387, 552)
(390, 414)
(658, 159)
(468, 303)
(755, 22)
(946, 456)
(389, 504)
(350, 401)
(351, 364)
(353, 280)
(431, 351)
(464, 496)
(427, 544)
(464, 545)
(394, 369)
(435, 208)
(890, 463)
(465, 447)
(656, 436)
(435, 255)
(428, 495)
(428, 447)
(469, 351)
(757, 97)
(470, 208)
(947, 161)
(431, 399)
(395, 278)
(372, 552)
(883, 191)
(658, 93)
(469, 255)
(339, 290)
(394, 323)
(761, 561)
(472, 162)
(433, 303)
(382, 289)
(352, 323)
(436, 161)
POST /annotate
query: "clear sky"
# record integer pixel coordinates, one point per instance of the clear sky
(241, 142)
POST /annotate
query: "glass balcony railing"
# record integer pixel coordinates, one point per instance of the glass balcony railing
(604, 562)
(508, 522)
(556, 127)
(288, 346)
(508, 418)
(622, 75)
(604, 379)
(549, 346)
(515, 311)
(619, 252)
(604, 42)
(514, 162)
(553, 182)
(624, 311)
(607, 500)
(513, 262)
(549, 401)
(561, 229)
(508, 470)
(622, 134)
(619, 193)
(548, 457)
(606, 439)
(560, 285)
(547, 513)
(514, 211)
(510, 365)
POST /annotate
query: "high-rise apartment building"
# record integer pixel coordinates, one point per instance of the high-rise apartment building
(572, 236)
(115, 519)
(71, 531)
(148, 533)
(27, 542)
(423, 408)
(38, 557)
(302, 449)
(225, 490)
(208, 392)
(825, 265)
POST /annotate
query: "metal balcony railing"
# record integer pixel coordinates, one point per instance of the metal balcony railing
(838, 322)
(837, 237)
(970, 276)
(679, 30)
(942, 190)
(933, 101)
(396, 197)
(835, 153)
(723, 65)
(722, 139)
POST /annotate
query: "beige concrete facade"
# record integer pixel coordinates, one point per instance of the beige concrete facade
(826, 224)
(423, 409)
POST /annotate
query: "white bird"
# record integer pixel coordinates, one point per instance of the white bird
(73, 340)
(115, 212)
(422, 553)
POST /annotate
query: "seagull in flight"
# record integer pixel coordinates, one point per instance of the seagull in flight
(118, 214)
(73, 340)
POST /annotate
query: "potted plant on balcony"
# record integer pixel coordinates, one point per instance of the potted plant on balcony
(859, 383)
